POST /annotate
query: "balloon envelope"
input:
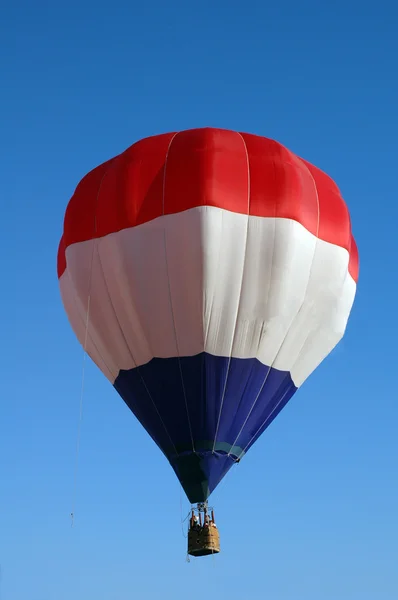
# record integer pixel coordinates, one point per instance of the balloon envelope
(219, 270)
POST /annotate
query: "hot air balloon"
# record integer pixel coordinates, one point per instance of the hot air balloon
(207, 273)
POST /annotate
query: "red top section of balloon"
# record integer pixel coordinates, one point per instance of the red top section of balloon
(239, 172)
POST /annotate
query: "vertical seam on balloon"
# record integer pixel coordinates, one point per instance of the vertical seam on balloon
(112, 304)
(95, 246)
(95, 242)
(220, 212)
(264, 423)
(206, 210)
(287, 332)
(86, 337)
(319, 326)
(83, 320)
(312, 261)
(346, 275)
(136, 366)
(263, 322)
(121, 330)
(287, 391)
(240, 292)
(170, 294)
(269, 369)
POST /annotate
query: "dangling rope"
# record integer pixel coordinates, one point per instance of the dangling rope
(183, 519)
(79, 425)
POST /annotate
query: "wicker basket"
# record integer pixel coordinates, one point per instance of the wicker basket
(203, 541)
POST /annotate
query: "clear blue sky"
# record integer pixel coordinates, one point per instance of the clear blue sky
(311, 513)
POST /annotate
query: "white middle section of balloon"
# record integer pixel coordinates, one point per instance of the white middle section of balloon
(211, 280)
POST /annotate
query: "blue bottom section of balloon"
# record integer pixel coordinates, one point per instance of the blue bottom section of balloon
(204, 411)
